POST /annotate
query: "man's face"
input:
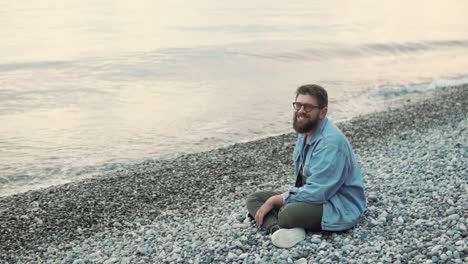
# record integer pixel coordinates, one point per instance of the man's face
(304, 122)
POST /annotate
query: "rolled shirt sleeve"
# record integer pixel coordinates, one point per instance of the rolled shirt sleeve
(326, 174)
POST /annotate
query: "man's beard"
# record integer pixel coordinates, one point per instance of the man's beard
(308, 126)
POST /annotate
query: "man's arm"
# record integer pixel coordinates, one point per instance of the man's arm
(266, 208)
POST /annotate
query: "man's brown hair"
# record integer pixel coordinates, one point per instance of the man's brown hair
(316, 91)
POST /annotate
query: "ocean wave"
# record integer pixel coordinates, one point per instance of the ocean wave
(393, 91)
(39, 177)
(336, 51)
(161, 61)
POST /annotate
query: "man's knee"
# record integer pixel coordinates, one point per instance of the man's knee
(256, 196)
(285, 216)
(300, 215)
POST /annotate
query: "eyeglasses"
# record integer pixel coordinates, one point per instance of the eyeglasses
(307, 107)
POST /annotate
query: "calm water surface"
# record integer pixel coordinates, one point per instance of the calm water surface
(91, 86)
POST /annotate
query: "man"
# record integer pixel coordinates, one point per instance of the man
(328, 193)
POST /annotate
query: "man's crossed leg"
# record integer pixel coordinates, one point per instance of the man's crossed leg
(287, 223)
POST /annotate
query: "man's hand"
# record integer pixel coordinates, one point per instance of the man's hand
(266, 208)
(262, 211)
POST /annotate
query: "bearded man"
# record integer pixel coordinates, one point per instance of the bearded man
(328, 193)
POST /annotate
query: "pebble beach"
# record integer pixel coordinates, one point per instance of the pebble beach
(191, 209)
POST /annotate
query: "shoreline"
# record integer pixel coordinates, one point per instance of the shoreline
(34, 221)
(17, 183)
(17, 189)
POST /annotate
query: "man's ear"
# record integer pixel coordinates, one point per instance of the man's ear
(323, 112)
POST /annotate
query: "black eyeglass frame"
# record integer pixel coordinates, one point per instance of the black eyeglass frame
(307, 107)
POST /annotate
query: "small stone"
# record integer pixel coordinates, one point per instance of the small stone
(39, 221)
(373, 222)
(111, 261)
(443, 257)
(451, 210)
(347, 248)
(324, 244)
(384, 214)
(243, 255)
(125, 260)
(150, 233)
(238, 244)
(117, 225)
(401, 220)
(435, 250)
(240, 225)
(231, 255)
(459, 242)
(387, 259)
(301, 261)
(24, 217)
(315, 240)
(142, 251)
(197, 244)
(239, 217)
(372, 197)
(435, 259)
(456, 254)
(462, 227)
(453, 217)
(377, 248)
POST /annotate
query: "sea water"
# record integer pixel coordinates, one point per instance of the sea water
(87, 87)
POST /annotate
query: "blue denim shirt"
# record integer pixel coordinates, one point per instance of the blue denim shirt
(333, 178)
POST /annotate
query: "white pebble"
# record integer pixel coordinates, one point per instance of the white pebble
(240, 225)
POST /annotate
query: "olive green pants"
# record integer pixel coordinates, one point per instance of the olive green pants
(304, 215)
